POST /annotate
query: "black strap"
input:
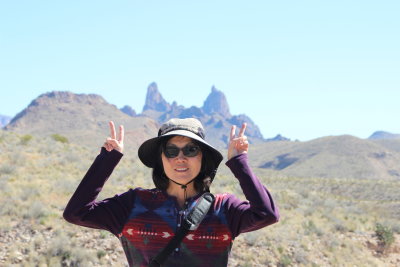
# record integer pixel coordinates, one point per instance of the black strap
(191, 222)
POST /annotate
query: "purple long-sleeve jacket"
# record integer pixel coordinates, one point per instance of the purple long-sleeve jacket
(146, 219)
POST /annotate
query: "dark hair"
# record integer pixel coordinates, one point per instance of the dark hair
(203, 180)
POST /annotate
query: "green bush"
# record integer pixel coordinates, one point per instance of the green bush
(101, 253)
(25, 139)
(384, 234)
(59, 138)
(284, 261)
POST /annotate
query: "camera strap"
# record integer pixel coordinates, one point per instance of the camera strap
(190, 223)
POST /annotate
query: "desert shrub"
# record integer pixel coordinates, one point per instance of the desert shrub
(29, 192)
(10, 207)
(59, 138)
(82, 257)
(284, 261)
(101, 253)
(24, 140)
(36, 210)
(104, 234)
(311, 228)
(66, 186)
(251, 238)
(300, 256)
(384, 234)
(71, 157)
(287, 199)
(396, 228)
(7, 169)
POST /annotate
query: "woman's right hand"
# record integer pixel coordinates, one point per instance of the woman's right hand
(114, 142)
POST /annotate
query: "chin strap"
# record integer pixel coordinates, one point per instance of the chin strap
(184, 187)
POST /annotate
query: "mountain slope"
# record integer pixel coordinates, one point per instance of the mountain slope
(331, 157)
(83, 119)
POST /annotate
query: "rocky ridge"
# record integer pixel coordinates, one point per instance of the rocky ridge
(214, 114)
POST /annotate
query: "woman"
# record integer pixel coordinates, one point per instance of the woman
(184, 165)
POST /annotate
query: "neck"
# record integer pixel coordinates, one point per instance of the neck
(178, 192)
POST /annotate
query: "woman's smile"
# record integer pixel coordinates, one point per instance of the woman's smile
(181, 168)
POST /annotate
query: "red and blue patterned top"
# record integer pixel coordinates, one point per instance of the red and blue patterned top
(145, 220)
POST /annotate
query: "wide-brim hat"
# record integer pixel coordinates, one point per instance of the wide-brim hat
(190, 127)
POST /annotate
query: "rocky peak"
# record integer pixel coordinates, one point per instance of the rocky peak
(128, 110)
(278, 137)
(216, 103)
(154, 100)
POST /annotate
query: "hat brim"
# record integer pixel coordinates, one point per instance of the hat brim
(149, 149)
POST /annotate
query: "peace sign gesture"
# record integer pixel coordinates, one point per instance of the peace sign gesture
(237, 144)
(114, 142)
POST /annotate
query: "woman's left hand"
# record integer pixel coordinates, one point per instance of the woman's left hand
(237, 144)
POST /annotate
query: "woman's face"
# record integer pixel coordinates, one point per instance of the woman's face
(181, 168)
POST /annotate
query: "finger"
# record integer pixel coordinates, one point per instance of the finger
(107, 147)
(232, 134)
(121, 133)
(112, 129)
(112, 142)
(241, 133)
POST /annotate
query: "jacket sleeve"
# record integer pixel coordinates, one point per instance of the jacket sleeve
(259, 210)
(109, 214)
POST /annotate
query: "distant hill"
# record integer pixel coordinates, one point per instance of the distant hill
(82, 118)
(331, 157)
(214, 114)
(384, 135)
(4, 120)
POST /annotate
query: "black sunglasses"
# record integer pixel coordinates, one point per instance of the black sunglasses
(190, 150)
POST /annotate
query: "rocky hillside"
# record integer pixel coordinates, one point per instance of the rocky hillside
(214, 114)
(83, 119)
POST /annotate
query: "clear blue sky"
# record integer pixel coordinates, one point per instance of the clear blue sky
(304, 69)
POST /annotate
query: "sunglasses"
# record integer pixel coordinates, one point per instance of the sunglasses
(190, 150)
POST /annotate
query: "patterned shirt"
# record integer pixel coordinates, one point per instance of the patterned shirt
(145, 220)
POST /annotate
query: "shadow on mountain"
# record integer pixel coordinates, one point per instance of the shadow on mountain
(280, 162)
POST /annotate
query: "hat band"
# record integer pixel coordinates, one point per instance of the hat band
(198, 133)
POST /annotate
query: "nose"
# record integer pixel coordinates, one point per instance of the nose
(180, 156)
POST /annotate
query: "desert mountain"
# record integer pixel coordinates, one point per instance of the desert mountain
(384, 135)
(83, 119)
(214, 114)
(4, 120)
(331, 157)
